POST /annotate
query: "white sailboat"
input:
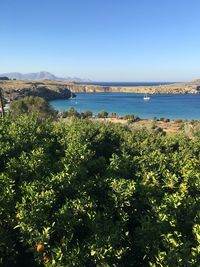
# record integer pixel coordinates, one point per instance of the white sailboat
(71, 96)
(146, 97)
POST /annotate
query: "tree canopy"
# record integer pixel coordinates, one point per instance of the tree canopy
(88, 194)
(31, 104)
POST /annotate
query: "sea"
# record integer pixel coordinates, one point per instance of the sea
(182, 106)
(126, 83)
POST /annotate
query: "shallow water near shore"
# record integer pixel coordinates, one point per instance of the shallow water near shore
(169, 106)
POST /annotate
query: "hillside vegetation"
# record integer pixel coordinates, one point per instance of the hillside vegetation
(89, 194)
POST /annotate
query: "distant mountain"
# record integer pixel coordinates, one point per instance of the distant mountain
(42, 75)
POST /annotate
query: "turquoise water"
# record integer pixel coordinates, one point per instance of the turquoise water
(170, 106)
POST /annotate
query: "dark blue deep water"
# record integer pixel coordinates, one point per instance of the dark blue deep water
(127, 83)
(170, 106)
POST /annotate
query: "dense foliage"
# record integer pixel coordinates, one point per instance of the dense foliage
(72, 112)
(86, 194)
(32, 104)
(103, 114)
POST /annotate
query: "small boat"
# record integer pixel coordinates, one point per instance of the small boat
(71, 96)
(146, 97)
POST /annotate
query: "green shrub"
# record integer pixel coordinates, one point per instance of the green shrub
(129, 117)
(86, 114)
(155, 119)
(113, 114)
(103, 114)
(87, 194)
(71, 112)
(31, 104)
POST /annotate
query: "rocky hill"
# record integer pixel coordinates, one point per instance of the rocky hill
(49, 90)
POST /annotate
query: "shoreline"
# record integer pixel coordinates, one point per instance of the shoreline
(172, 88)
(151, 90)
(52, 90)
(56, 90)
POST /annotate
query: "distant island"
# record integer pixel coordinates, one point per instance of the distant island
(42, 75)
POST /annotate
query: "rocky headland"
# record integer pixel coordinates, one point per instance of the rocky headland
(49, 90)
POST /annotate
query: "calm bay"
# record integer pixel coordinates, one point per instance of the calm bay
(171, 106)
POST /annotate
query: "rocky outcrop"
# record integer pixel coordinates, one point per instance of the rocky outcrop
(177, 88)
(49, 90)
(45, 92)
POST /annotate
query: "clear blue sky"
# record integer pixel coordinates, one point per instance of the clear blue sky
(104, 40)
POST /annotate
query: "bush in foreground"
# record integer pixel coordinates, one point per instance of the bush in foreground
(84, 194)
(32, 104)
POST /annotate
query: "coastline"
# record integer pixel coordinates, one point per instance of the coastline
(177, 88)
(51, 90)
(56, 90)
